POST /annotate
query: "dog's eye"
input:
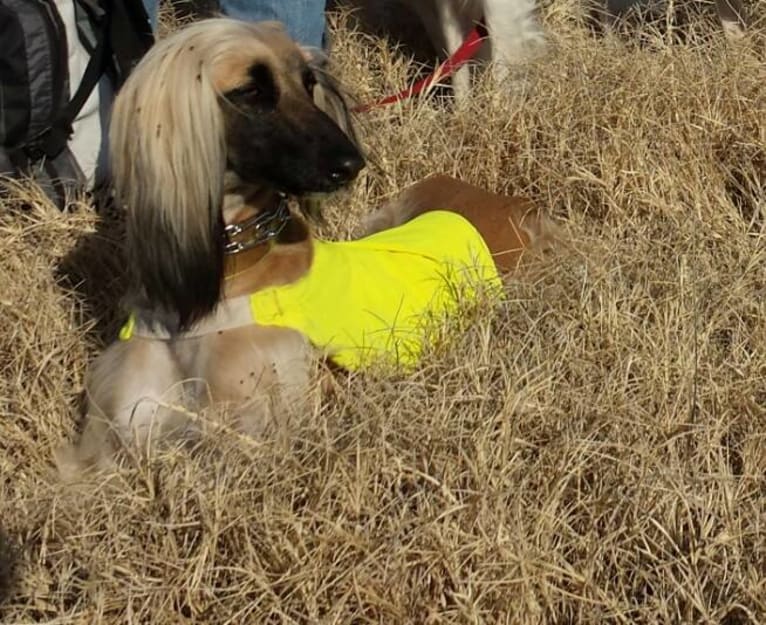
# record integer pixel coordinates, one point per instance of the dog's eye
(259, 91)
(250, 90)
(250, 93)
(309, 81)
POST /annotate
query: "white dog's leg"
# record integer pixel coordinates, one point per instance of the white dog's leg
(456, 22)
(515, 33)
(732, 16)
(447, 22)
(429, 17)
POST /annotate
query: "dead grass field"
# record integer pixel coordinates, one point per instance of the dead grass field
(594, 451)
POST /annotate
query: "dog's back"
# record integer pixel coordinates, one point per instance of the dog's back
(511, 226)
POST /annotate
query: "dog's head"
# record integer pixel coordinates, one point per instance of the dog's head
(215, 96)
(275, 132)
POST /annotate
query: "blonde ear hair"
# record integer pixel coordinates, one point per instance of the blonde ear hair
(328, 95)
(168, 157)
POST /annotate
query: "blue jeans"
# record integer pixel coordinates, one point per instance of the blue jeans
(304, 19)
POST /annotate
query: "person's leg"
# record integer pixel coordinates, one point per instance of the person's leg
(303, 19)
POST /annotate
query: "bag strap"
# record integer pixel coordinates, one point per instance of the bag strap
(53, 139)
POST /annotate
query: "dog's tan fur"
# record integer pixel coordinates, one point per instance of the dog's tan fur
(146, 389)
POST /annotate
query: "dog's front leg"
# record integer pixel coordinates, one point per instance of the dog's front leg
(456, 23)
(447, 22)
(262, 373)
(134, 396)
(429, 17)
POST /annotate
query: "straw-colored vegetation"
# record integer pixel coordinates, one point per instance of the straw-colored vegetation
(593, 451)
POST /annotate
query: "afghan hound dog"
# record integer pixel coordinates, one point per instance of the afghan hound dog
(214, 138)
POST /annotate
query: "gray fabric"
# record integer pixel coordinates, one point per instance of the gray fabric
(40, 65)
(53, 59)
(58, 178)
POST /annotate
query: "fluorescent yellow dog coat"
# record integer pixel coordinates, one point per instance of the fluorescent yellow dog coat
(372, 299)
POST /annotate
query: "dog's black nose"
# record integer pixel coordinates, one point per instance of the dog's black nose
(345, 169)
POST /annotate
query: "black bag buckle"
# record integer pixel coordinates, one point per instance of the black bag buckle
(50, 142)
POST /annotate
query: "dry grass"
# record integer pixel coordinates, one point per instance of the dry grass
(592, 452)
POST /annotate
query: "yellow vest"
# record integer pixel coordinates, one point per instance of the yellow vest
(372, 299)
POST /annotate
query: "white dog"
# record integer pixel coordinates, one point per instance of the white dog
(515, 32)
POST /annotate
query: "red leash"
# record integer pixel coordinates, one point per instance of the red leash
(464, 53)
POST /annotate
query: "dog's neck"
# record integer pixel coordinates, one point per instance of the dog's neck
(275, 262)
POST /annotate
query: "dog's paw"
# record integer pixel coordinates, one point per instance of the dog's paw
(733, 30)
(74, 462)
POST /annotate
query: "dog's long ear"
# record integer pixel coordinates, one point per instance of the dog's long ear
(330, 98)
(328, 94)
(168, 158)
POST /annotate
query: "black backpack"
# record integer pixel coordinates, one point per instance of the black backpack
(60, 64)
